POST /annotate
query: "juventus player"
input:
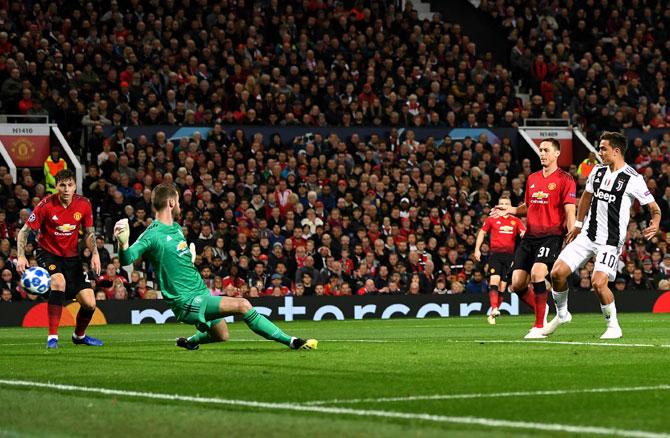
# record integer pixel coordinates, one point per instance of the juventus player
(604, 210)
(550, 209)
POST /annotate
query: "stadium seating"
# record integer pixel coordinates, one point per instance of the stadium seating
(389, 208)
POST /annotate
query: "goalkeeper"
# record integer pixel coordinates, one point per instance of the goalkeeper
(183, 288)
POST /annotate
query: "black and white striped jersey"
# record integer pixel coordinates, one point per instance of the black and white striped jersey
(613, 193)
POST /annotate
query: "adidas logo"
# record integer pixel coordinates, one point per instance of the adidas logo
(169, 238)
(54, 218)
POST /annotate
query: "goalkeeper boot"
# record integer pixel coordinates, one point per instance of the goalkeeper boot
(86, 340)
(183, 343)
(304, 344)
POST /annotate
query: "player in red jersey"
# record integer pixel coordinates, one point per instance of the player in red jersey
(550, 209)
(504, 231)
(58, 219)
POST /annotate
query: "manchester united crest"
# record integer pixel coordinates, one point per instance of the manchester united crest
(23, 148)
(77, 216)
(551, 186)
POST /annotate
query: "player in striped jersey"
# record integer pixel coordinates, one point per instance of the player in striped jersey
(603, 215)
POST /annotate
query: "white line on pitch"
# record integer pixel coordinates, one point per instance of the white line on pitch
(590, 344)
(490, 395)
(486, 422)
(400, 341)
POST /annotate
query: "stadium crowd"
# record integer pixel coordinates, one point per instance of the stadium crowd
(322, 214)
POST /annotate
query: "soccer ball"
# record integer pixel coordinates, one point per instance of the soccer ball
(36, 280)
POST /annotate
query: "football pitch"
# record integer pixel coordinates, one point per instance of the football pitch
(402, 377)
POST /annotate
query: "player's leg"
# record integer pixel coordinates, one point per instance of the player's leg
(87, 305)
(604, 271)
(494, 295)
(55, 307)
(571, 257)
(538, 277)
(501, 289)
(211, 331)
(521, 273)
(545, 251)
(505, 274)
(218, 307)
(559, 285)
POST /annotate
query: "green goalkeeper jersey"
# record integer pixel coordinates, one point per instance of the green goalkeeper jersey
(166, 248)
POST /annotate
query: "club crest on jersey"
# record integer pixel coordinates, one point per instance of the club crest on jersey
(551, 186)
(619, 186)
(52, 267)
(77, 216)
(181, 246)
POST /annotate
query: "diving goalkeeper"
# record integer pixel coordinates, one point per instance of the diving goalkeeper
(181, 284)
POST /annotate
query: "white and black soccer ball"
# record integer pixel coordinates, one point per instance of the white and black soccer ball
(36, 280)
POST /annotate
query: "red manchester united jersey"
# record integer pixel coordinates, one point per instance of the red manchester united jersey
(546, 198)
(503, 233)
(59, 226)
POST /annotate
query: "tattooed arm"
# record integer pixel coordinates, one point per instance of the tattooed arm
(21, 241)
(90, 244)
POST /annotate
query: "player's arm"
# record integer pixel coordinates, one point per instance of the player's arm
(478, 244)
(21, 241)
(643, 195)
(89, 240)
(34, 223)
(578, 219)
(502, 210)
(655, 222)
(128, 254)
(521, 229)
(570, 215)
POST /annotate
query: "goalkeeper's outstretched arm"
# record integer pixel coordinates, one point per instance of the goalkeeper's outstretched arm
(128, 254)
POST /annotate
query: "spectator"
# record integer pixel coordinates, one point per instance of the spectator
(664, 285)
(52, 165)
(620, 284)
(638, 282)
(110, 283)
(477, 284)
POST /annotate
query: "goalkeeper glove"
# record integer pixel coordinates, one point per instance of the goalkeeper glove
(191, 248)
(122, 231)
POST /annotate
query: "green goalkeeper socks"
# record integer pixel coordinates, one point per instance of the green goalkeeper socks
(200, 338)
(263, 327)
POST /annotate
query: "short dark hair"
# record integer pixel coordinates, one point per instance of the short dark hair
(161, 194)
(616, 140)
(64, 175)
(555, 143)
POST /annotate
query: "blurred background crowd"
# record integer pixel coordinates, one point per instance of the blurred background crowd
(323, 214)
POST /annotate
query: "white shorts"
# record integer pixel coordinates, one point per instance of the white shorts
(580, 251)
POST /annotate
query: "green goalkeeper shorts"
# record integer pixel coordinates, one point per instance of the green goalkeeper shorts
(202, 311)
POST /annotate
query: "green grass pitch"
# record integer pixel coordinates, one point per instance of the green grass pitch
(402, 377)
